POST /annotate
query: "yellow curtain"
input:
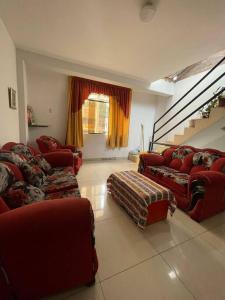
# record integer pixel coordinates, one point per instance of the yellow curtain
(74, 134)
(118, 131)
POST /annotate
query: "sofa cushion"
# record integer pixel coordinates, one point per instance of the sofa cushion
(41, 162)
(3, 207)
(55, 183)
(187, 163)
(171, 178)
(175, 164)
(20, 193)
(33, 174)
(12, 157)
(22, 149)
(205, 158)
(6, 177)
(75, 192)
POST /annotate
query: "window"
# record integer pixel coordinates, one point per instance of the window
(95, 114)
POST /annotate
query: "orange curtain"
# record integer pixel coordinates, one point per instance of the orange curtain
(78, 91)
(74, 134)
(118, 131)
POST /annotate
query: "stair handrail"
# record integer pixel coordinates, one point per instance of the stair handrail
(197, 109)
(191, 89)
(151, 143)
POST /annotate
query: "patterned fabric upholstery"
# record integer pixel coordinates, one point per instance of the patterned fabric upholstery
(205, 158)
(174, 175)
(75, 192)
(33, 174)
(20, 193)
(14, 158)
(6, 177)
(56, 183)
(23, 150)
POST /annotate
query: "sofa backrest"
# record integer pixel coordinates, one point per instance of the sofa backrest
(47, 143)
(188, 159)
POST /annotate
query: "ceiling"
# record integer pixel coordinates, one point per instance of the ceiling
(108, 34)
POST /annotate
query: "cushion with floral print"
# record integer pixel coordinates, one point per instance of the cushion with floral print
(20, 193)
(22, 149)
(61, 171)
(205, 158)
(181, 153)
(14, 158)
(6, 177)
(64, 194)
(41, 162)
(33, 174)
(56, 183)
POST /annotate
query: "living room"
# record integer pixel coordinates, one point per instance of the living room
(164, 207)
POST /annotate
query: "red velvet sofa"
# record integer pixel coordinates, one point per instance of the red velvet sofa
(196, 177)
(46, 246)
(48, 144)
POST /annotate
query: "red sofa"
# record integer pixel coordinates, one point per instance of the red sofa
(46, 246)
(196, 177)
(48, 144)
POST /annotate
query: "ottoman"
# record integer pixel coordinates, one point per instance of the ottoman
(143, 199)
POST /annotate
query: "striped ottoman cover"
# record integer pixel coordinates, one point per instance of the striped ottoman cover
(137, 194)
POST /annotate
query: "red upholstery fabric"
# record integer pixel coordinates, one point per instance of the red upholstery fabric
(3, 207)
(212, 182)
(59, 159)
(175, 164)
(48, 144)
(218, 165)
(47, 247)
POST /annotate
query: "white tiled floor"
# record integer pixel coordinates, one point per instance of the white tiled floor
(174, 259)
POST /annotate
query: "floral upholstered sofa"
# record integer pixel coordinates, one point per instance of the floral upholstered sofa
(46, 228)
(196, 177)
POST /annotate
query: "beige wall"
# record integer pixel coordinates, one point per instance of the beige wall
(9, 120)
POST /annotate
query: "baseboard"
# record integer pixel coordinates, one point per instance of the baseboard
(105, 158)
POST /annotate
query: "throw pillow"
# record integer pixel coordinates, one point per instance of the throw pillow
(6, 177)
(33, 174)
(20, 193)
(22, 149)
(43, 164)
(14, 158)
(205, 158)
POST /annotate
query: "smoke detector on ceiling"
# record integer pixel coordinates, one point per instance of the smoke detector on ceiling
(147, 12)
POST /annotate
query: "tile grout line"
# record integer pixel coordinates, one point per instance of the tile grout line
(178, 277)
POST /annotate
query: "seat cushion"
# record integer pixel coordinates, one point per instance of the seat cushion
(55, 183)
(173, 179)
(75, 192)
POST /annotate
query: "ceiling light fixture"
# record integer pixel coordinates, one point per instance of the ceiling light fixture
(147, 12)
(175, 78)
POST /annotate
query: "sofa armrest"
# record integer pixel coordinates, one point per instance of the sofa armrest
(70, 147)
(150, 159)
(206, 194)
(52, 238)
(59, 158)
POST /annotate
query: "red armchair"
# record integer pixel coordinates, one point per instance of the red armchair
(45, 248)
(48, 144)
(196, 177)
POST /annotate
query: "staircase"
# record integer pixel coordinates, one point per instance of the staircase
(195, 125)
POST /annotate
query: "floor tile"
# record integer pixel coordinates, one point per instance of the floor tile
(168, 233)
(200, 267)
(152, 279)
(88, 293)
(120, 245)
(104, 207)
(216, 237)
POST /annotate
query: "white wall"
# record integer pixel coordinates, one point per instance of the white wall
(47, 94)
(181, 87)
(9, 120)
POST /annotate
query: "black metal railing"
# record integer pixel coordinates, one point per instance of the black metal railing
(156, 140)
